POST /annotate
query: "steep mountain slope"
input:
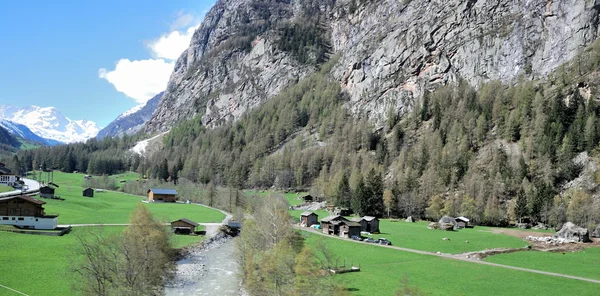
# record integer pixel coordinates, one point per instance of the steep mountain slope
(390, 51)
(49, 123)
(25, 133)
(8, 142)
(131, 121)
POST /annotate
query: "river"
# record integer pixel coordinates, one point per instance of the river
(208, 271)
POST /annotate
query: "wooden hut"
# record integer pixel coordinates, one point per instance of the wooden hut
(308, 198)
(161, 194)
(462, 222)
(349, 228)
(47, 192)
(331, 224)
(88, 192)
(308, 219)
(183, 226)
(368, 223)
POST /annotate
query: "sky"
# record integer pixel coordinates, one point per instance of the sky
(93, 59)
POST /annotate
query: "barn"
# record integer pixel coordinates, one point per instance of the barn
(161, 194)
(184, 226)
(47, 192)
(308, 219)
(88, 192)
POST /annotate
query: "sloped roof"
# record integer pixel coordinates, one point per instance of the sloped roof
(25, 198)
(163, 191)
(356, 219)
(308, 214)
(461, 218)
(334, 217)
(369, 218)
(350, 223)
(187, 221)
(4, 171)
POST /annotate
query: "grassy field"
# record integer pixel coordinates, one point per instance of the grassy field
(583, 264)
(114, 207)
(291, 197)
(39, 265)
(382, 269)
(417, 236)
(4, 188)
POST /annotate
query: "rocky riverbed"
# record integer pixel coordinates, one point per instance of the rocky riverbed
(209, 269)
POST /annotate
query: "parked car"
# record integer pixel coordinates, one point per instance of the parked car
(356, 238)
(383, 241)
(370, 240)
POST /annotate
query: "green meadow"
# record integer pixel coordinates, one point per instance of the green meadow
(382, 269)
(585, 263)
(4, 188)
(40, 265)
(110, 207)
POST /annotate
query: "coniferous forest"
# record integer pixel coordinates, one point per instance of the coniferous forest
(494, 152)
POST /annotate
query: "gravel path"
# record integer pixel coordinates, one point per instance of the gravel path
(457, 257)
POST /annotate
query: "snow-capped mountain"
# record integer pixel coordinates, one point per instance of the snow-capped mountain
(49, 123)
(132, 120)
(24, 132)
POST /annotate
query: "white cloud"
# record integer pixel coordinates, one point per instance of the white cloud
(143, 79)
(139, 80)
(171, 45)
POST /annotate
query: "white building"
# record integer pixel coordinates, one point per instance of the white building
(6, 178)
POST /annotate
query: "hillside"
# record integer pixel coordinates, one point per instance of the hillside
(247, 51)
(8, 142)
(439, 107)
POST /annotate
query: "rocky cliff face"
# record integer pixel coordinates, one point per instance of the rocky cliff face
(389, 51)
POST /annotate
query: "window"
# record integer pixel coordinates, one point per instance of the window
(13, 218)
(21, 219)
(36, 219)
(12, 211)
(4, 218)
(26, 212)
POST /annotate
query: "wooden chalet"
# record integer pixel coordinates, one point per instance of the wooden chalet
(308, 219)
(184, 226)
(88, 192)
(6, 177)
(25, 212)
(368, 223)
(161, 194)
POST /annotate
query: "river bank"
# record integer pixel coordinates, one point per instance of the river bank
(208, 268)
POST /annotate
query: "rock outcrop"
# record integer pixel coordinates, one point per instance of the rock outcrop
(574, 233)
(390, 52)
(447, 223)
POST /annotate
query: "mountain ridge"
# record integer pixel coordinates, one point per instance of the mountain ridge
(50, 123)
(132, 120)
(240, 56)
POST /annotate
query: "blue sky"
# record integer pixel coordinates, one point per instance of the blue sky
(91, 59)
